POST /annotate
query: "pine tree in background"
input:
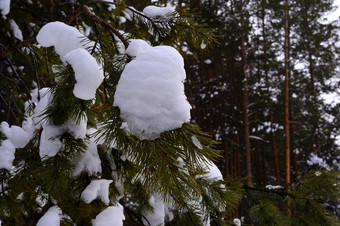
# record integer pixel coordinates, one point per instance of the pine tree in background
(105, 135)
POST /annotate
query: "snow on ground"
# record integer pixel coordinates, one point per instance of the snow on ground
(150, 92)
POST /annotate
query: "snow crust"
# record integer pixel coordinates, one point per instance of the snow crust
(113, 215)
(5, 7)
(97, 189)
(150, 92)
(63, 37)
(7, 151)
(51, 217)
(88, 74)
(155, 11)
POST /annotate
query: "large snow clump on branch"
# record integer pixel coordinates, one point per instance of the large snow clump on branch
(150, 92)
(70, 44)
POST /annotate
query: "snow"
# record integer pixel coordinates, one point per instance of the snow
(150, 92)
(40, 105)
(88, 74)
(63, 37)
(97, 189)
(88, 161)
(5, 7)
(15, 134)
(113, 215)
(51, 217)
(136, 47)
(212, 170)
(196, 142)
(237, 222)
(155, 11)
(273, 187)
(156, 217)
(15, 29)
(316, 160)
(50, 142)
(7, 151)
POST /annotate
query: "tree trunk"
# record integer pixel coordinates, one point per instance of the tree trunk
(286, 98)
(271, 117)
(245, 100)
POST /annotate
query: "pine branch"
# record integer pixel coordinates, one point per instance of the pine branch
(98, 20)
(18, 45)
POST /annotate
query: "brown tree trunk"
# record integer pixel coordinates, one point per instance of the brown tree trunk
(245, 100)
(271, 117)
(286, 98)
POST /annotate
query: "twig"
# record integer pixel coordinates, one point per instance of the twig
(18, 45)
(98, 20)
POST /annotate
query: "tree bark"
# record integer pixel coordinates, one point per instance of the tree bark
(271, 117)
(286, 97)
(245, 99)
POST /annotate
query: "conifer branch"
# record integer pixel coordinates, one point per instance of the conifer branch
(16, 46)
(98, 20)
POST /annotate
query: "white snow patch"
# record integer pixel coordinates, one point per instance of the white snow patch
(63, 37)
(15, 29)
(196, 142)
(7, 151)
(18, 137)
(5, 7)
(137, 46)
(97, 189)
(273, 187)
(89, 161)
(156, 217)
(316, 160)
(88, 74)
(155, 11)
(50, 142)
(237, 222)
(112, 215)
(51, 217)
(150, 93)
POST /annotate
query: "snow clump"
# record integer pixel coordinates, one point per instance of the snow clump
(7, 151)
(51, 217)
(88, 74)
(68, 43)
(63, 37)
(97, 189)
(5, 7)
(150, 92)
(157, 12)
(112, 215)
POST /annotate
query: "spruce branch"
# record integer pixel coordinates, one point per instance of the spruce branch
(18, 45)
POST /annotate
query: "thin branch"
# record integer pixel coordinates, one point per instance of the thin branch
(18, 45)
(98, 20)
